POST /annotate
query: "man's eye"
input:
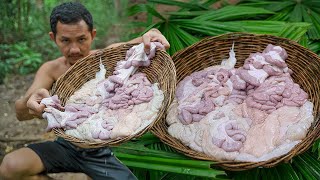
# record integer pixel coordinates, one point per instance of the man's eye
(65, 40)
(82, 40)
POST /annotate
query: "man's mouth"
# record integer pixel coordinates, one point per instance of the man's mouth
(75, 57)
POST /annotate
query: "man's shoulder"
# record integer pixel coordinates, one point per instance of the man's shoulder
(55, 63)
(54, 68)
(58, 61)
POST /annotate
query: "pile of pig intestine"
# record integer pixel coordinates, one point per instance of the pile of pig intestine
(106, 109)
(251, 113)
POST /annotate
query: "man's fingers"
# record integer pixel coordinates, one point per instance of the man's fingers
(44, 93)
(35, 108)
(165, 43)
(146, 41)
(154, 35)
(35, 114)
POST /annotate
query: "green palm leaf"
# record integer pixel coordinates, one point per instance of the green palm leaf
(232, 13)
(312, 3)
(295, 11)
(279, 5)
(294, 31)
(184, 36)
(304, 166)
(205, 28)
(176, 43)
(296, 14)
(287, 172)
(314, 46)
(315, 33)
(308, 165)
(138, 8)
(139, 154)
(184, 32)
(304, 41)
(316, 145)
(269, 5)
(282, 15)
(185, 14)
(190, 5)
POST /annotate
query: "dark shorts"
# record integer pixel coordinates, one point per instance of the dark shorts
(98, 163)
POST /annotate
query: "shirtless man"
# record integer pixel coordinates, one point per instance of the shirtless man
(72, 30)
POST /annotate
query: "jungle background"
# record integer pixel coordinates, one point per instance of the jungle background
(25, 45)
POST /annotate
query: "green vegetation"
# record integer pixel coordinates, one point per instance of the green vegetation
(296, 20)
(24, 39)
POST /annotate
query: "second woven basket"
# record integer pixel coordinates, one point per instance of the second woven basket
(210, 51)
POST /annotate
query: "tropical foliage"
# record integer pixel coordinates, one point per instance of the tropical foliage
(197, 19)
(293, 11)
(24, 24)
(151, 159)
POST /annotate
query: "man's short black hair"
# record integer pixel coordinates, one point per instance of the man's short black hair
(69, 13)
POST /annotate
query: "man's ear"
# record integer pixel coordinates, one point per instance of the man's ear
(93, 33)
(52, 36)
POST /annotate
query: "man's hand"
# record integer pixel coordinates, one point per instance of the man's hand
(34, 105)
(151, 36)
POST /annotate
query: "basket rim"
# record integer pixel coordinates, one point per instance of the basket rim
(209, 38)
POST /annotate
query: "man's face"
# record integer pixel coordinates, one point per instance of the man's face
(74, 40)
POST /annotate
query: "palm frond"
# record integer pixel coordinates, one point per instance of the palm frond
(175, 43)
(294, 11)
(182, 33)
(294, 31)
(205, 28)
(315, 17)
(139, 154)
(138, 8)
(304, 40)
(156, 25)
(232, 13)
(185, 14)
(269, 5)
(314, 46)
(316, 145)
(209, 2)
(187, 5)
(296, 14)
(312, 3)
(282, 15)
(308, 165)
(184, 36)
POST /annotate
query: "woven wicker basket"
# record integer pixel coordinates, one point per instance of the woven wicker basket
(160, 71)
(210, 51)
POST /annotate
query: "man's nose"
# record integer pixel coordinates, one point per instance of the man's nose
(74, 48)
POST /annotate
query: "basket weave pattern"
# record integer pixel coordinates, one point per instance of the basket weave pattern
(161, 71)
(210, 51)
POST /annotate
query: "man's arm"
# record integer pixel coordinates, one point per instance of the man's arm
(39, 89)
(151, 36)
